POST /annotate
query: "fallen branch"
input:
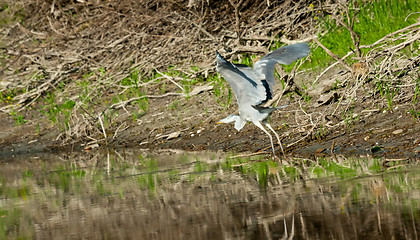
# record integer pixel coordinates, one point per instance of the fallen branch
(333, 55)
(194, 92)
(249, 154)
(354, 36)
(124, 103)
(171, 80)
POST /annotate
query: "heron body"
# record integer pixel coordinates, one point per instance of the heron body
(253, 87)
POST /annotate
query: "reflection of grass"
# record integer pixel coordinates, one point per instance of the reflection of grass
(102, 189)
(337, 170)
(67, 177)
(268, 171)
(174, 175)
(22, 191)
(149, 180)
(11, 225)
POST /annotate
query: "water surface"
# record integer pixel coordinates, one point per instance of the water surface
(132, 194)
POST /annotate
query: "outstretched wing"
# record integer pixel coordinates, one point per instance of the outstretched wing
(244, 82)
(264, 68)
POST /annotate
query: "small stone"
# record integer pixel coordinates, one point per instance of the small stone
(91, 146)
(325, 99)
(398, 131)
(174, 135)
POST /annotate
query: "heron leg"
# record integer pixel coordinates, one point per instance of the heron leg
(277, 136)
(258, 124)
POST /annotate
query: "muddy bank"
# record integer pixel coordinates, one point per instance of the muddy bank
(387, 134)
(380, 133)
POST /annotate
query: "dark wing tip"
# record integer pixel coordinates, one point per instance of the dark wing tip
(306, 47)
(262, 109)
(219, 57)
(303, 47)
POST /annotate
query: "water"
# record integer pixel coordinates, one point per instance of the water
(130, 194)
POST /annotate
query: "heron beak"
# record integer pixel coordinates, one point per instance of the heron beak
(219, 122)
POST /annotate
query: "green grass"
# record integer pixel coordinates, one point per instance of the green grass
(7, 95)
(374, 20)
(350, 118)
(19, 118)
(415, 114)
(417, 91)
(221, 90)
(387, 91)
(90, 88)
(58, 114)
(10, 14)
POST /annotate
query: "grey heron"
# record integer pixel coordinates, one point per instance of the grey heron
(253, 87)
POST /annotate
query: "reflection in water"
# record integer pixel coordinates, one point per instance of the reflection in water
(135, 195)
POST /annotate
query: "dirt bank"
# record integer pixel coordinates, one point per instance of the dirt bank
(193, 127)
